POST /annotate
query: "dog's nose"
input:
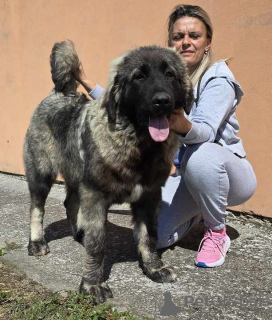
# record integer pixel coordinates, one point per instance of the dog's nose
(161, 99)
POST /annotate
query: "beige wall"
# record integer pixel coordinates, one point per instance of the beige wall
(105, 28)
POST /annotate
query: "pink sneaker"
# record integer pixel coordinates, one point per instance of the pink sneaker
(212, 249)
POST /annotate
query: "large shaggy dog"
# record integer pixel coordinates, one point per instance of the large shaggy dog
(113, 150)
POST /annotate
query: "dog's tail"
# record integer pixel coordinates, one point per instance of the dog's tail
(65, 64)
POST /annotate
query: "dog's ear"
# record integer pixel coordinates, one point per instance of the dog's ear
(110, 101)
(188, 96)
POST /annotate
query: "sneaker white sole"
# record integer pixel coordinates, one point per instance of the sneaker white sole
(216, 263)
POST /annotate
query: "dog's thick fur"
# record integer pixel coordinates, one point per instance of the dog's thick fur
(104, 152)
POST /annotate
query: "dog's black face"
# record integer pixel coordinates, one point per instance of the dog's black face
(150, 83)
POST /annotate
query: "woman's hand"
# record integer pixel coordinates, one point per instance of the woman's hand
(179, 123)
(81, 77)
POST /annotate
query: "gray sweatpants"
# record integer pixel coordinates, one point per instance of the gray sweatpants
(212, 179)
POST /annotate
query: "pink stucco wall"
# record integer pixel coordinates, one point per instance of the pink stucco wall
(103, 29)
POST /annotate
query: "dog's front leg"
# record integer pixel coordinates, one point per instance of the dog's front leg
(93, 216)
(145, 213)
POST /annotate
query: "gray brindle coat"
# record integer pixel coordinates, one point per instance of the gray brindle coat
(104, 152)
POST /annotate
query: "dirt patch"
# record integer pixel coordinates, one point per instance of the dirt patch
(14, 284)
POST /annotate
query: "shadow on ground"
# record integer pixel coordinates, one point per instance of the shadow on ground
(120, 242)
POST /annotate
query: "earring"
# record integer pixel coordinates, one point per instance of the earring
(206, 51)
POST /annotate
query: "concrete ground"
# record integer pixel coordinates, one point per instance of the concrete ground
(240, 289)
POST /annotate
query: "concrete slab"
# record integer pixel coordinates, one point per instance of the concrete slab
(240, 289)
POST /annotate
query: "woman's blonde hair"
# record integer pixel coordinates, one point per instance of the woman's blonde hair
(195, 12)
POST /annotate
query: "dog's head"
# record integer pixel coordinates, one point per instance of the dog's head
(145, 86)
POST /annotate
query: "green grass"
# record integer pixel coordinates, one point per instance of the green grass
(73, 307)
(2, 252)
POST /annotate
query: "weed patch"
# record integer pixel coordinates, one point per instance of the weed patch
(24, 299)
(73, 307)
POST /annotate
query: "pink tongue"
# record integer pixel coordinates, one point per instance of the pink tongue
(158, 128)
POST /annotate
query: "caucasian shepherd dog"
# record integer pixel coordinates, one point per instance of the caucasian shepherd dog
(112, 150)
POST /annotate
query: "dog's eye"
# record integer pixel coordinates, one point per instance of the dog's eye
(169, 74)
(139, 76)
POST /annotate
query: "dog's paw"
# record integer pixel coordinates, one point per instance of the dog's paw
(163, 274)
(38, 248)
(100, 292)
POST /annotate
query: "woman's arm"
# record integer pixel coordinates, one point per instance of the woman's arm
(214, 106)
(179, 123)
(93, 89)
(81, 77)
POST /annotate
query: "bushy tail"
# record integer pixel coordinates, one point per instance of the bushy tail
(64, 63)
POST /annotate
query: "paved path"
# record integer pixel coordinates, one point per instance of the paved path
(240, 289)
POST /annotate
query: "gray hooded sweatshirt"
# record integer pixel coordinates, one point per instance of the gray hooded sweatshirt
(213, 112)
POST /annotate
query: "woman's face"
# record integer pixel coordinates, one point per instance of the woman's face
(190, 39)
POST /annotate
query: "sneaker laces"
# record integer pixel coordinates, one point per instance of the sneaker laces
(210, 242)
